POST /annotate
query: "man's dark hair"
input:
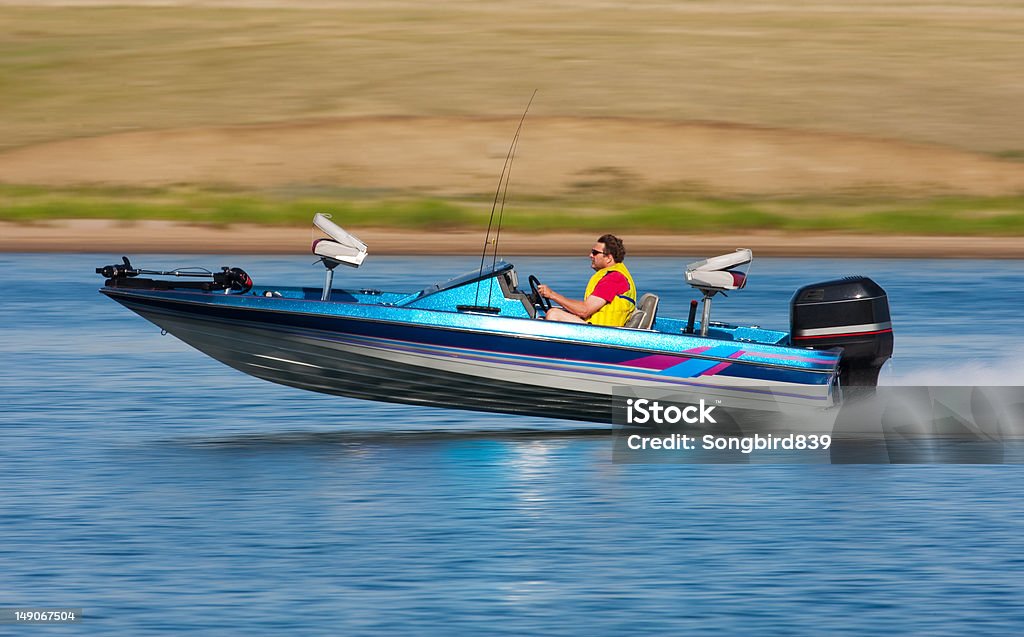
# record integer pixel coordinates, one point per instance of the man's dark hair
(613, 247)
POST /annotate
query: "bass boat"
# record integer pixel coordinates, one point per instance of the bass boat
(479, 342)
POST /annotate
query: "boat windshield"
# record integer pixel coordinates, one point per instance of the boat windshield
(469, 277)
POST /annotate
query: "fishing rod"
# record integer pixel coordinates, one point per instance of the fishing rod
(506, 172)
(504, 194)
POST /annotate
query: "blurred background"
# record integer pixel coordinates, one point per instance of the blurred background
(896, 117)
(160, 491)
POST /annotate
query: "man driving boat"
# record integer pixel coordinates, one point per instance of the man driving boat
(610, 296)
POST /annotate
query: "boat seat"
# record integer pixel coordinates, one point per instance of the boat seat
(342, 247)
(643, 316)
(717, 275)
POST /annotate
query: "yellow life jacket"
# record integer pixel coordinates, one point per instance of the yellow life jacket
(616, 312)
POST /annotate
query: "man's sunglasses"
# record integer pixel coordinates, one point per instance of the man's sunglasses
(594, 253)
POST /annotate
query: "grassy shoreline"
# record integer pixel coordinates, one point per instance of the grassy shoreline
(928, 216)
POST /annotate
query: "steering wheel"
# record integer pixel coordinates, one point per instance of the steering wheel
(538, 300)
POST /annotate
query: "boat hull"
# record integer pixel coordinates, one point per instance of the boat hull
(455, 366)
(312, 364)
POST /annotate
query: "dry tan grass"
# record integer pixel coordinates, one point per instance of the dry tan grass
(945, 73)
(713, 97)
(556, 157)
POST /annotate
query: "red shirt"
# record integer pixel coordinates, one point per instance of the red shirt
(611, 285)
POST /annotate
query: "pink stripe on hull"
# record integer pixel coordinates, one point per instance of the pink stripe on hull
(662, 362)
(655, 361)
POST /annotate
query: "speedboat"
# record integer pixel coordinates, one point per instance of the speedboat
(478, 341)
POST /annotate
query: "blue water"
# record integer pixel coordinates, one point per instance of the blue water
(160, 491)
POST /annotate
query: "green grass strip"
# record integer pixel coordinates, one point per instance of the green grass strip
(975, 216)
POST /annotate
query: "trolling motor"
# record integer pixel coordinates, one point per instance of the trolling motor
(119, 270)
(123, 275)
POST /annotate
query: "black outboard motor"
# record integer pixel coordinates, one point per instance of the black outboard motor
(852, 313)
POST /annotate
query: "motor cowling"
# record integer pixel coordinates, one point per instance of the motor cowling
(851, 313)
(233, 279)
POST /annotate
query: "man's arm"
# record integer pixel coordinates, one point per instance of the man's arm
(582, 309)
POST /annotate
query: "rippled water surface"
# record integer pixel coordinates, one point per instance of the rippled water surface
(161, 491)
